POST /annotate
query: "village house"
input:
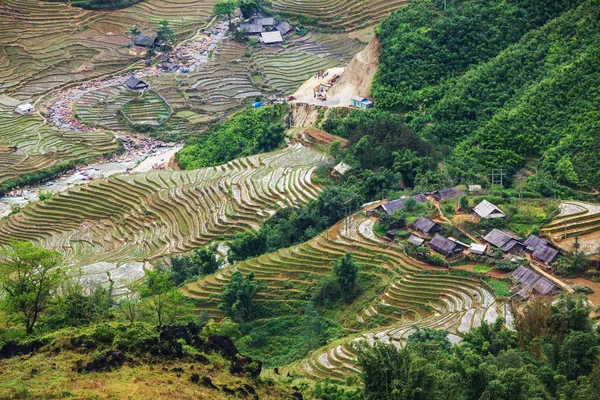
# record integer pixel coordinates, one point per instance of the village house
(392, 206)
(487, 210)
(507, 242)
(134, 83)
(271, 37)
(415, 240)
(24, 109)
(533, 282)
(426, 226)
(251, 29)
(444, 246)
(284, 28)
(448, 194)
(340, 169)
(145, 41)
(541, 250)
(477, 249)
(361, 102)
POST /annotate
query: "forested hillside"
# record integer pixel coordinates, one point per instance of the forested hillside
(497, 84)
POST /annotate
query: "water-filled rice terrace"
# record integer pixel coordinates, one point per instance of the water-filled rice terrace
(416, 294)
(148, 109)
(144, 216)
(28, 145)
(339, 14)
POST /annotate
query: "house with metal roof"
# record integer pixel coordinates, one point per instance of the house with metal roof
(487, 210)
(392, 206)
(24, 109)
(507, 242)
(134, 83)
(444, 246)
(361, 102)
(477, 249)
(251, 29)
(541, 250)
(534, 281)
(264, 21)
(271, 37)
(426, 226)
(284, 28)
(415, 240)
(448, 194)
(145, 41)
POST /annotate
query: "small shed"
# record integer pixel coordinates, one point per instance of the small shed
(361, 102)
(415, 240)
(134, 83)
(264, 21)
(24, 109)
(487, 210)
(426, 226)
(444, 246)
(271, 37)
(474, 188)
(145, 41)
(284, 28)
(391, 235)
(478, 249)
(458, 242)
(507, 242)
(448, 194)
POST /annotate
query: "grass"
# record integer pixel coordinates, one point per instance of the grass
(501, 287)
(483, 269)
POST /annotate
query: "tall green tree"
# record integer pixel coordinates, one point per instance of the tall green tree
(165, 34)
(162, 300)
(29, 277)
(345, 271)
(238, 296)
(226, 8)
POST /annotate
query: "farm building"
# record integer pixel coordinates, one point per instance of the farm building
(534, 281)
(445, 247)
(507, 242)
(458, 242)
(145, 41)
(271, 37)
(415, 240)
(541, 250)
(487, 210)
(134, 83)
(251, 29)
(391, 235)
(264, 21)
(284, 28)
(392, 206)
(448, 194)
(361, 102)
(474, 188)
(426, 226)
(24, 109)
(478, 249)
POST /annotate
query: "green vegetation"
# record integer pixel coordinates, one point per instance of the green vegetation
(202, 261)
(101, 4)
(238, 296)
(248, 132)
(483, 269)
(501, 287)
(495, 84)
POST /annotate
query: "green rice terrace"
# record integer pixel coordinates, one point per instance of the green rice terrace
(148, 109)
(141, 217)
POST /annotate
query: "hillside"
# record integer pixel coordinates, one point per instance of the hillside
(498, 84)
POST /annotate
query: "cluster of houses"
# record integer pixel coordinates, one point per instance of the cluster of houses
(507, 242)
(269, 30)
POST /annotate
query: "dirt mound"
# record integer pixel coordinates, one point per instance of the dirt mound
(307, 115)
(358, 76)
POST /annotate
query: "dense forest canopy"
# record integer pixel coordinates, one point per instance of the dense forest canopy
(496, 84)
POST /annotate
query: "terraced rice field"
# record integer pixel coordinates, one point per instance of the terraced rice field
(577, 219)
(45, 45)
(143, 216)
(27, 145)
(100, 107)
(418, 294)
(289, 67)
(150, 109)
(339, 14)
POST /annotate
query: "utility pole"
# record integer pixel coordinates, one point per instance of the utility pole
(497, 177)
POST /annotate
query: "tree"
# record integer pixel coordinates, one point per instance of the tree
(345, 271)
(29, 276)
(428, 335)
(202, 261)
(164, 34)
(164, 303)
(225, 7)
(313, 327)
(249, 7)
(135, 32)
(129, 305)
(238, 296)
(464, 203)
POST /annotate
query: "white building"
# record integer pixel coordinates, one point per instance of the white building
(24, 109)
(487, 210)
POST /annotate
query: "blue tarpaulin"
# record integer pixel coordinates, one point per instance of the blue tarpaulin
(258, 104)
